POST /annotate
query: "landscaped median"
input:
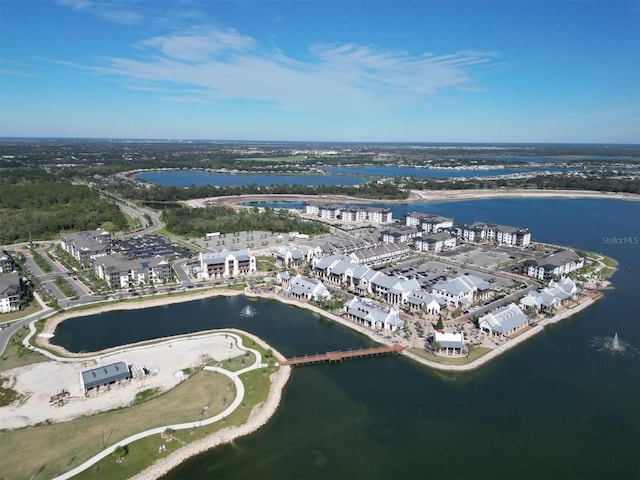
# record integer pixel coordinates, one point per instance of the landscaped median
(215, 397)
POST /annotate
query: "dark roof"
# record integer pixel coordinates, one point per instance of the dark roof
(106, 374)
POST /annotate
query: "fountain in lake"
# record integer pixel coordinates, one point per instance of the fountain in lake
(248, 312)
(613, 345)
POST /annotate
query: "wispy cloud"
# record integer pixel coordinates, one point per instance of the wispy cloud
(117, 11)
(224, 64)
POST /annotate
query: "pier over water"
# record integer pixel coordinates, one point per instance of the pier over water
(338, 356)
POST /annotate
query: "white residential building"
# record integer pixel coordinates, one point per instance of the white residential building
(434, 242)
(450, 343)
(504, 320)
(555, 294)
(556, 264)
(296, 256)
(427, 222)
(122, 272)
(10, 292)
(86, 245)
(462, 290)
(373, 315)
(501, 234)
(400, 234)
(308, 288)
(226, 263)
(421, 299)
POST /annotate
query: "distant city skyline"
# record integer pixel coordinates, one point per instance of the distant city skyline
(522, 71)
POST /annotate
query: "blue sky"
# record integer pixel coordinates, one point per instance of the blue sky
(326, 70)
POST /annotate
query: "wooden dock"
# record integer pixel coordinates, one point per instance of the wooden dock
(341, 355)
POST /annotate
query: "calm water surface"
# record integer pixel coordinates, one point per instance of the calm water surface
(554, 407)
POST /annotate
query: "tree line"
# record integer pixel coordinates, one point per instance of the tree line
(196, 222)
(41, 211)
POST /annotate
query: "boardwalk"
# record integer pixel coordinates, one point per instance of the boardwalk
(341, 355)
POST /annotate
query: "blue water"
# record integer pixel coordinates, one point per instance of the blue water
(555, 407)
(188, 178)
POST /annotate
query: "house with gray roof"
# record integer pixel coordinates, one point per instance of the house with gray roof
(308, 288)
(226, 263)
(295, 256)
(104, 376)
(555, 294)
(393, 289)
(373, 315)
(557, 264)
(450, 343)
(421, 299)
(504, 320)
(462, 290)
(11, 292)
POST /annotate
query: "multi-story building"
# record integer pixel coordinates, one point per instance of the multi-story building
(6, 262)
(373, 315)
(399, 234)
(225, 264)
(87, 245)
(501, 234)
(10, 292)
(556, 264)
(434, 242)
(427, 222)
(122, 272)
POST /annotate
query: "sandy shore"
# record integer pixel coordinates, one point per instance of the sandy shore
(417, 196)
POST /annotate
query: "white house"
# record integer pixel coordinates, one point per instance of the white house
(295, 256)
(308, 288)
(556, 293)
(462, 290)
(400, 234)
(225, 264)
(504, 320)
(421, 299)
(450, 343)
(556, 264)
(373, 315)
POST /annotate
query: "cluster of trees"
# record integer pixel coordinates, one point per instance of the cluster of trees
(41, 211)
(157, 193)
(600, 182)
(199, 221)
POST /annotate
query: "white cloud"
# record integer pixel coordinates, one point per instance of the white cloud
(223, 64)
(116, 11)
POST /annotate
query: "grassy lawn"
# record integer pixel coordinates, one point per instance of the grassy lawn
(476, 353)
(62, 446)
(16, 355)
(237, 363)
(144, 452)
(33, 307)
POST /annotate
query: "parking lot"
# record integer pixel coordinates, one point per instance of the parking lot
(146, 246)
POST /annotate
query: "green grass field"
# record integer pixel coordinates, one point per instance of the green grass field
(476, 353)
(45, 451)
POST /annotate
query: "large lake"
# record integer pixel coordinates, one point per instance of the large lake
(554, 407)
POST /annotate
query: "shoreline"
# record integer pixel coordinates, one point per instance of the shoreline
(262, 412)
(416, 196)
